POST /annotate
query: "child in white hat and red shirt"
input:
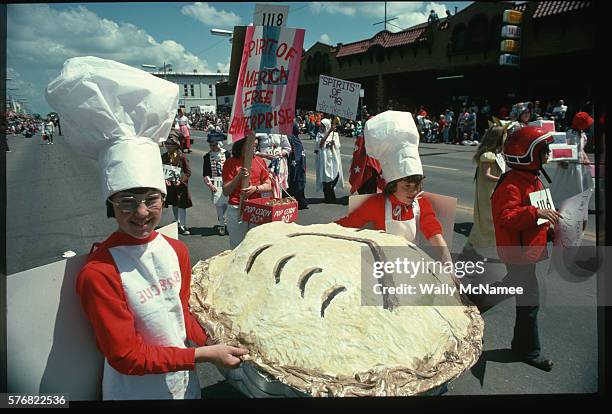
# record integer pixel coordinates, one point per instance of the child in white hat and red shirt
(135, 286)
(393, 139)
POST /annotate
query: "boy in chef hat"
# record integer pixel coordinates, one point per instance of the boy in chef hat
(392, 138)
(135, 286)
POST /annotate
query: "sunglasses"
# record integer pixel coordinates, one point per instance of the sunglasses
(130, 203)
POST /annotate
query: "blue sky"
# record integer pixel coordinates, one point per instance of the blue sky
(40, 37)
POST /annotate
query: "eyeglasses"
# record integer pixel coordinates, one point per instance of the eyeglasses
(129, 204)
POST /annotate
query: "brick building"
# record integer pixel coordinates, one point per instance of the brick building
(457, 60)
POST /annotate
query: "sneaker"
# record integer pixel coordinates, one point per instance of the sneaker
(539, 362)
(183, 230)
(221, 230)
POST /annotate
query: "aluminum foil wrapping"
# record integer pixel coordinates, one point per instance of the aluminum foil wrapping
(378, 381)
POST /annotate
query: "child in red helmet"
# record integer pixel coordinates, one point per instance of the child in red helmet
(521, 242)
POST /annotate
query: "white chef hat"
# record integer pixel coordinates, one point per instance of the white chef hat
(393, 139)
(118, 115)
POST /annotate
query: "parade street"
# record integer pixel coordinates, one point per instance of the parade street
(55, 204)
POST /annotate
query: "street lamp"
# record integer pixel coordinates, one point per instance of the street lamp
(221, 32)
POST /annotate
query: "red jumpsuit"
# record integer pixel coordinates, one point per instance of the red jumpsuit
(521, 243)
(515, 219)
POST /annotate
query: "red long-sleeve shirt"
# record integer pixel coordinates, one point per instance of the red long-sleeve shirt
(103, 298)
(373, 210)
(259, 174)
(519, 239)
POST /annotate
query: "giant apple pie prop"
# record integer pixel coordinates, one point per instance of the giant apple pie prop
(292, 296)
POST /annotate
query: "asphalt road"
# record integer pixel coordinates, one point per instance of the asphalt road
(55, 204)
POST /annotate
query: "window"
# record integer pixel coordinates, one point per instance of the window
(210, 90)
(459, 38)
(192, 90)
(185, 90)
(477, 32)
(309, 67)
(495, 27)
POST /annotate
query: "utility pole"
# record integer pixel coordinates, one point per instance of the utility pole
(386, 20)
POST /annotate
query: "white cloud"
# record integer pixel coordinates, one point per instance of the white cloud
(325, 39)
(211, 16)
(40, 39)
(346, 9)
(224, 67)
(408, 13)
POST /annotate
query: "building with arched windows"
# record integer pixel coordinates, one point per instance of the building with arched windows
(457, 60)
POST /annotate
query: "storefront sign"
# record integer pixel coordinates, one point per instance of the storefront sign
(511, 32)
(513, 17)
(510, 46)
(509, 60)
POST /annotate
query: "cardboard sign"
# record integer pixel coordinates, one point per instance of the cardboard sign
(563, 152)
(559, 137)
(501, 161)
(218, 198)
(267, 82)
(257, 211)
(172, 173)
(574, 210)
(270, 15)
(338, 97)
(543, 200)
(445, 208)
(568, 238)
(50, 344)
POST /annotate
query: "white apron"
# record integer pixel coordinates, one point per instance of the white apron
(217, 159)
(151, 279)
(218, 198)
(407, 228)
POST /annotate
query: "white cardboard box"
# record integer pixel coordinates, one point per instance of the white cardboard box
(544, 124)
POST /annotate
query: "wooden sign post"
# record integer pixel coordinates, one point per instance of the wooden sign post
(248, 160)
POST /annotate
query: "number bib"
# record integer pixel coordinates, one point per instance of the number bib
(542, 199)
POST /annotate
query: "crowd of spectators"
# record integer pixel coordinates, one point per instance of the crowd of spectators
(465, 123)
(26, 125)
(209, 121)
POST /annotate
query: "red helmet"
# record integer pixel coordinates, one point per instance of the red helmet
(523, 147)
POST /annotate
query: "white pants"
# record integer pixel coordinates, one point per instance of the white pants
(237, 229)
(221, 209)
(180, 215)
